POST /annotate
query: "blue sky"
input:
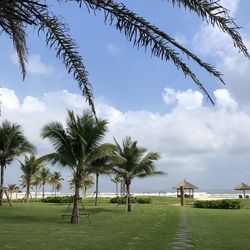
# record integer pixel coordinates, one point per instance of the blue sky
(143, 96)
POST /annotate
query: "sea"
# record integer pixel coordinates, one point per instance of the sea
(198, 194)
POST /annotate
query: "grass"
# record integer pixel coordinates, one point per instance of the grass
(220, 228)
(39, 226)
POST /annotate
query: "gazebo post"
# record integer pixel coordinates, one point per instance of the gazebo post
(182, 195)
(244, 192)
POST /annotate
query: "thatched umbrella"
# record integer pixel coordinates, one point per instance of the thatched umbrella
(243, 187)
(186, 186)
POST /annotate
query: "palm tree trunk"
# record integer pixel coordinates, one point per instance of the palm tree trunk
(36, 192)
(43, 189)
(96, 189)
(28, 192)
(1, 185)
(75, 212)
(52, 192)
(116, 186)
(129, 197)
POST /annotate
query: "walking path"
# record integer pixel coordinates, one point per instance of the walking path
(183, 236)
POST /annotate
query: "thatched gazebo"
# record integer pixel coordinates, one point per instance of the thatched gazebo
(186, 186)
(243, 187)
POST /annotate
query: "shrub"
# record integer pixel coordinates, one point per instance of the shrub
(58, 199)
(140, 200)
(218, 204)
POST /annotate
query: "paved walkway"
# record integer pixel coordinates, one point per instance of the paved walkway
(183, 236)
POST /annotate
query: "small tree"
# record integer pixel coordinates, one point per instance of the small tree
(13, 143)
(44, 176)
(55, 179)
(139, 163)
(87, 182)
(12, 188)
(36, 182)
(116, 180)
(30, 168)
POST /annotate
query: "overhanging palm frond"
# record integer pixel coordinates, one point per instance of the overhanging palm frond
(57, 36)
(144, 175)
(19, 41)
(213, 12)
(143, 34)
(16, 14)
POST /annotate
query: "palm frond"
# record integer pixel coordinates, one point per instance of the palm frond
(143, 34)
(213, 12)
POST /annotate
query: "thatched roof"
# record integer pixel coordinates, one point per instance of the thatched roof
(243, 186)
(185, 185)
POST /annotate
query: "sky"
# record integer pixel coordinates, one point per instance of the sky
(142, 96)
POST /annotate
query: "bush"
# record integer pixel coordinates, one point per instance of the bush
(140, 200)
(218, 204)
(58, 199)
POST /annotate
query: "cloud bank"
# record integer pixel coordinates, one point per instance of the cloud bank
(197, 142)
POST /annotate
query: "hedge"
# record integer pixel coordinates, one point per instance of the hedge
(218, 204)
(140, 200)
(58, 199)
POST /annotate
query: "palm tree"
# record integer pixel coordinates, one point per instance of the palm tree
(36, 182)
(55, 179)
(139, 163)
(44, 176)
(116, 180)
(76, 146)
(58, 188)
(13, 143)
(18, 15)
(100, 166)
(30, 168)
(12, 188)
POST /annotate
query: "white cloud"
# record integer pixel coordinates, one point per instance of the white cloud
(9, 99)
(224, 99)
(193, 139)
(35, 65)
(187, 99)
(32, 104)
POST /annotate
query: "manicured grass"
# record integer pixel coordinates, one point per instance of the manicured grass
(220, 228)
(39, 226)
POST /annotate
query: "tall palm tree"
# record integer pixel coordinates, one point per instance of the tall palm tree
(13, 143)
(30, 168)
(76, 146)
(139, 163)
(44, 176)
(18, 15)
(116, 180)
(12, 188)
(55, 179)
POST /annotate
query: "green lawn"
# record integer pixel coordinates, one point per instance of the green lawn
(39, 226)
(220, 229)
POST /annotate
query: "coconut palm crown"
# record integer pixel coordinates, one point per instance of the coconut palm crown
(138, 163)
(76, 146)
(17, 15)
(13, 143)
